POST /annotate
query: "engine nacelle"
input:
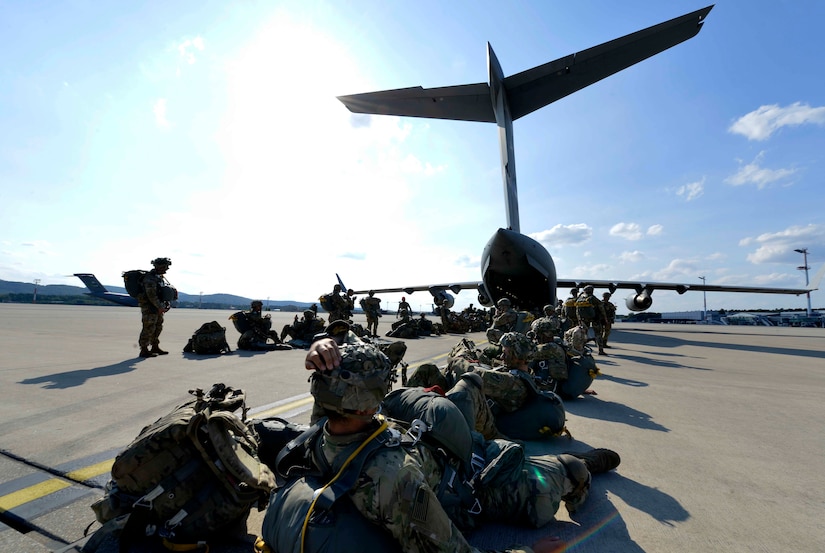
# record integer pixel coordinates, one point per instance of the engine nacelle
(639, 302)
(484, 297)
(441, 296)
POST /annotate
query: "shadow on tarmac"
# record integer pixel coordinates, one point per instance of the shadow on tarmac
(72, 379)
(595, 408)
(659, 340)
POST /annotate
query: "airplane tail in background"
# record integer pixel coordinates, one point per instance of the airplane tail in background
(91, 283)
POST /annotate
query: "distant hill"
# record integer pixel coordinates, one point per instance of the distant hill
(12, 291)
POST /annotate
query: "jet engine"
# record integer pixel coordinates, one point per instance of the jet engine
(484, 297)
(639, 302)
(440, 296)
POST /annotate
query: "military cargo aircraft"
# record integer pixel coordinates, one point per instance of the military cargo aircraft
(514, 265)
(97, 290)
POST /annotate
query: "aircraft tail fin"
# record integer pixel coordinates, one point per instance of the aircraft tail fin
(91, 283)
(341, 282)
(814, 285)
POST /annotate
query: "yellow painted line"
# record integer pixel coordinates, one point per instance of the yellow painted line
(15, 499)
(91, 471)
(285, 407)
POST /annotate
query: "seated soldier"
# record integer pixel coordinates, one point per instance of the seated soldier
(392, 502)
(302, 330)
(504, 320)
(258, 329)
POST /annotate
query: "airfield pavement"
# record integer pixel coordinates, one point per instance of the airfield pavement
(720, 429)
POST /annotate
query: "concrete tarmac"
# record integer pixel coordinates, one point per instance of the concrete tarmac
(720, 429)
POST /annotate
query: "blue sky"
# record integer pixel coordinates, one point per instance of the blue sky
(209, 132)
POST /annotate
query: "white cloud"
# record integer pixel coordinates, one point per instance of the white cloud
(692, 190)
(778, 247)
(685, 268)
(762, 123)
(655, 230)
(752, 173)
(159, 109)
(631, 257)
(564, 235)
(628, 231)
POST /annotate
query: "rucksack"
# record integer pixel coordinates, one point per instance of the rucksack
(240, 321)
(326, 302)
(209, 339)
(541, 417)
(133, 281)
(191, 476)
(581, 370)
(586, 309)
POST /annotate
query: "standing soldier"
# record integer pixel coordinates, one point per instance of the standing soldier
(372, 309)
(610, 318)
(336, 304)
(570, 310)
(590, 312)
(404, 309)
(153, 304)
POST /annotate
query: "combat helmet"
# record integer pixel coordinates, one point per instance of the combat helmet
(522, 346)
(544, 329)
(503, 302)
(162, 261)
(259, 303)
(358, 384)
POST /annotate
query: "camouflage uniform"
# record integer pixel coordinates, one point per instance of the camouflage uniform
(610, 317)
(304, 329)
(152, 308)
(260, 330)
(396, 487)
(504, 320)
(372, 309)
(339, 307)
(591, 314)
(570, 309)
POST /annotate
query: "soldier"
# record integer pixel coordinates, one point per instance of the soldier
(260, 330)
(350, 299)
(372, 309)
(152, 307)
(396, 489)
(504, 320)
(591, 314)
(336, 304)
(302, 330)
(570, 310)
(550, 322)
(404, 310)
(610, 318)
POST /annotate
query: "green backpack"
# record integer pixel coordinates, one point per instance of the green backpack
(209, 339)
(191, 476)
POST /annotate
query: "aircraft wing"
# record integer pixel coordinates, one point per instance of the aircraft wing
(455, 288)
(534, 88)
(639, 286)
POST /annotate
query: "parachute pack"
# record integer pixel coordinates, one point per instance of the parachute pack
(133, 281)
(209, 339)
(189, 477)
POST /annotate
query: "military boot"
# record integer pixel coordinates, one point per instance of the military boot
(598, 460)
(157, 351)
(579, 478)
(144, 352)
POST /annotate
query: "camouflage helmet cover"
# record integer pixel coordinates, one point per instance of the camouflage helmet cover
(522, 346)
(503, 302)
(544, 328)
(309, 314)
(165, 261)
(258, 303)
(358, 384)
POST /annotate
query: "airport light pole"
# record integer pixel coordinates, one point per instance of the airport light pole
(804, 252)
(705, 301)
(37, 282)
